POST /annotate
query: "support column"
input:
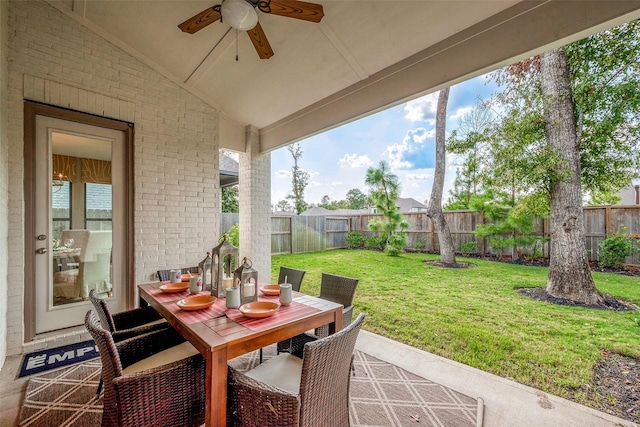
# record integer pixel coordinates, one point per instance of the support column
(255, 205)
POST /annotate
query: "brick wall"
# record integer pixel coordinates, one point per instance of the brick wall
(255, 206)
(55, 60)
(4, 188)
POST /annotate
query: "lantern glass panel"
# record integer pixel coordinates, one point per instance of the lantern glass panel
(246, 278)
(205, 270)
(224, 257)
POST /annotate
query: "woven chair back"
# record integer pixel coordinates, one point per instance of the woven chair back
(103, 311)
(293, 276)
(326, 375)
(338, 289)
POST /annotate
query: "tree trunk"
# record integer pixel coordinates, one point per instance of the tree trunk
(569, 273)
(434, 211)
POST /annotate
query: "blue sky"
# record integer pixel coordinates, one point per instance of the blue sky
(404, 136)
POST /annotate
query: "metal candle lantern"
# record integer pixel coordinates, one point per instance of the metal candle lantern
(246, 278)
(225, 257)
(205, 271)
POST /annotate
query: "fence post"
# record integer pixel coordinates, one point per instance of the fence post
(607, 221)
(291, 233)
(483, 242)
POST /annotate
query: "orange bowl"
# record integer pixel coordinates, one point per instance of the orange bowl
(270, 289)
(186, 277)
(259, 309)
(197, 302)
(172, 288)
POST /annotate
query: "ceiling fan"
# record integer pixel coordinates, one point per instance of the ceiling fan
(241, 15)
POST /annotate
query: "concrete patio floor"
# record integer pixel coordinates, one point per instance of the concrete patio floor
(506, 403)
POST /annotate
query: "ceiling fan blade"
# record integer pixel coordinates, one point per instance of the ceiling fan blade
(201, 20)
(312, 12)
(260, 42)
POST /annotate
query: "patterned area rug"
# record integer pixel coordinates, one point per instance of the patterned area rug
(381, 395)
(64, 397)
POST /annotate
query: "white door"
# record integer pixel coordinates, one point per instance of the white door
(79, 220)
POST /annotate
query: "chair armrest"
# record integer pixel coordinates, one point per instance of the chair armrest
(176, 394)
(140, 330)
(140, 347)
(252, 402)
(134, 318)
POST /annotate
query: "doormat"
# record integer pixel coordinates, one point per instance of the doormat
(53, 358)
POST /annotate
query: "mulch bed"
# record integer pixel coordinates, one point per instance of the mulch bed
(616, 386)
(610, 302)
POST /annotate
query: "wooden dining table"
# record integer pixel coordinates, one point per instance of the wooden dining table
(220, 334)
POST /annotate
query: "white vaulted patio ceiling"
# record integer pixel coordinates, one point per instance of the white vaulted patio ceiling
(365, 55)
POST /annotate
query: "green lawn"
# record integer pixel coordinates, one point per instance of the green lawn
(474, 316)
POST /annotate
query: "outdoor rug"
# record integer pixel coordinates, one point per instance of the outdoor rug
(64, 397)
(381, 395)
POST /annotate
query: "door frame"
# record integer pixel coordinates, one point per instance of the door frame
(31, 109)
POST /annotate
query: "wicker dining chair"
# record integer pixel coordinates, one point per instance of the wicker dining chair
(126, 324)
(333, 288)
(129, 323)
(153, 379)
(165, 275)
(287, 391)
(293, 276)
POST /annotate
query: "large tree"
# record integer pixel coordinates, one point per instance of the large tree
(356, 199)
(569, 272)
(434, 210)
(299, 180)
(570, 122)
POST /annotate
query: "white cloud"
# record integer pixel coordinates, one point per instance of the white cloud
(336, 184)
(422, 109)
(460, 112)
(419, 176)
(355, 161)
(283, 173)
(412, 153)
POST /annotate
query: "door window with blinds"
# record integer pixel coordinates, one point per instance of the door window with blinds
(95, 202)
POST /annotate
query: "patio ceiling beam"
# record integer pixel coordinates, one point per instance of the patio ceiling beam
(526, 29)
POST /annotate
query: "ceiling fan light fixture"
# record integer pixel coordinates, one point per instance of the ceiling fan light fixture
(240, 14)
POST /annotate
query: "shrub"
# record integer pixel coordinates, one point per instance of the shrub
(420, 244)
(375, 242)
(355, 240)
(468, 247)
(613, 250)
(233, 234)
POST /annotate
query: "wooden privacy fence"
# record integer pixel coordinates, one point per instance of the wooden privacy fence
(295, 234)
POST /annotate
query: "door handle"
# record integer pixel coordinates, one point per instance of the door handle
(41, 251)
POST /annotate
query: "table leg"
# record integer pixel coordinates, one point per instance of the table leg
(216, 404)
(336, 325)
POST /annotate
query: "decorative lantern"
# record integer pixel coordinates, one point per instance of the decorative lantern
(246, 278)
(225, 257)
(204, 270)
